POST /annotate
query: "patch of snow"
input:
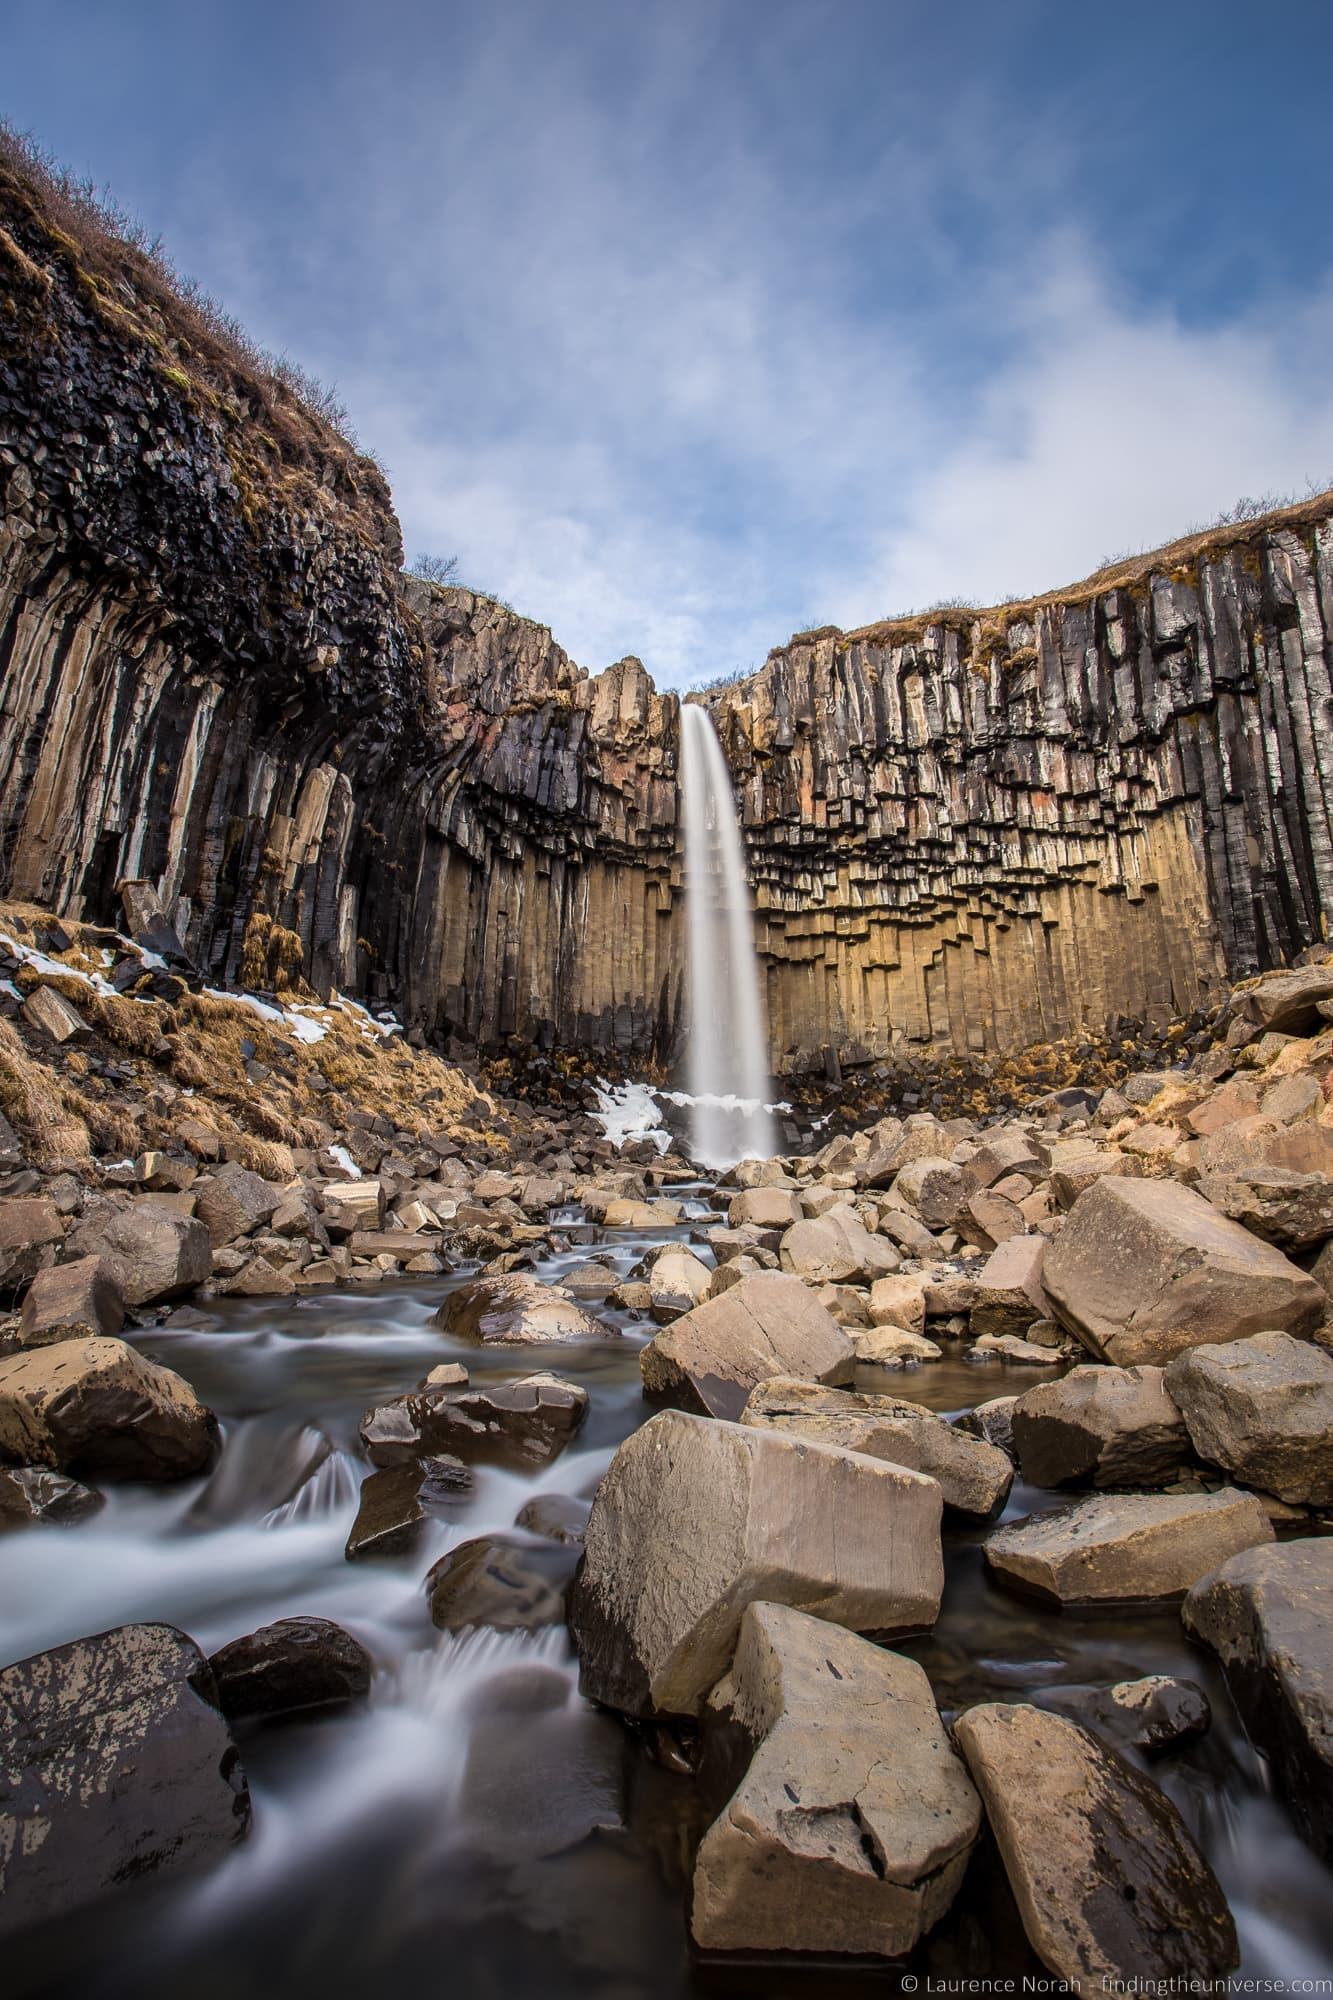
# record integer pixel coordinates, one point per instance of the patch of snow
(345, 1161)
(53, 968)
(630, 1111)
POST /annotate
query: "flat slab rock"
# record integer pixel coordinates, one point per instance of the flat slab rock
(512, 1310)
(1268, 1615)
(1262, 1410)
(973, 1476)
(697, 1518)
(1107, 1877)
(115, 1763)
(851, 1828)
(1126, 1548)
(769, 1324)
(1144, 1269)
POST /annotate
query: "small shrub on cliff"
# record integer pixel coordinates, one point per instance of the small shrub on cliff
(434, 569)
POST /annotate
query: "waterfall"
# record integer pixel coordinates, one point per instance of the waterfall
(727, 1071)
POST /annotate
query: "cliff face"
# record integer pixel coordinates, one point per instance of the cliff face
(984, 829)
(979, 829)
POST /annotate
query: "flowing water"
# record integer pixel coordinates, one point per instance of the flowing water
(477, 1829)
(728, 1070)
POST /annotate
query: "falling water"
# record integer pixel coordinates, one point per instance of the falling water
(728, 1073)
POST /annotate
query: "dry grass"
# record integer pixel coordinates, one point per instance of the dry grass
(35, 1102)
(271, 957)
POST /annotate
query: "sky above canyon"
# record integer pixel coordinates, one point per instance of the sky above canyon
(688, 327)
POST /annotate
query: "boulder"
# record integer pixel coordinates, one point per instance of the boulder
(154, 1252)
(1262, 1410)
(396, 1503)
(514, 1311)
(556, 1517)
(697, 1518)
(521, 1424)
(500, 1582)
(115, 1763)
(296, 1667)
(836, 1248)
(768, 1324)
(934, 1188)
(232, 1201)
(1151, 1715)
(677, 1281)
(97, 1407)
(1275, 1179)
(31, 1230)
(77, 1301)
(1010, 1294)
(892, 1347)
(1099, 1426)
(30, 1493)
(1126, 1548)
(765, 1207)
(974, 1478)
(351, 1205)
(1143, 1270)
(1007, 1149)
(57, 1017)
(1288, 1002)
(850, 1830)
(1077, 1165)
(1268, 1615)
(1108, 1880)
(899, 1300)
(992, 1420)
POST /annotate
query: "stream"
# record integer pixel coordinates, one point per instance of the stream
(477, 1829)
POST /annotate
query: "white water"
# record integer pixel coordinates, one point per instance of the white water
(728, 1046)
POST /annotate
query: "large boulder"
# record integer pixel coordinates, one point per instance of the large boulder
(850, 1830)
(31, 1231)
(973, 1476)
(1108, 1880)
(934, 1188)
(1010, 1292)
(97, 1407)
(1143, 1270)
(511, 1310)
(154, 1252)
(522, 1424)
(769, 1324)
(232, 1201)
(836, 1248)
(115, 1762)
(695, 1519)
(396, 1503)
(1099, 1426)
(81, 1300)
(1262, 1409)
(500, 1582)
(764, 1208)
(1126, 1548)
(1275, 1179)
(296, 1667)
(1268, 1615)
(677, 1281)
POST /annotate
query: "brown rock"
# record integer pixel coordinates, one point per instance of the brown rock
(153, 1252)
(1098, 1426)
(1126, 1548)
(97, 1407)
(516, 1311)
(769, 1324)
(1262, 1409)
(77, 1301)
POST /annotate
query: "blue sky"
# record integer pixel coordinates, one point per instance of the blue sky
(688, 326)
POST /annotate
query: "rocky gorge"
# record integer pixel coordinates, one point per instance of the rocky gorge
(439, 1527)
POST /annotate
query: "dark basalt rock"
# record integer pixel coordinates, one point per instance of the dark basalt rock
(115, 1763)
(31, 1493)
(397, 1502)
(523, 1424)
(298, 1666)
(502, 1582)
(556, 1517)
(1151, 1715)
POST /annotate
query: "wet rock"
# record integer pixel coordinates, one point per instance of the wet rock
(97, 1407)
(154, 1252)
(836, 1249)
(512, 1310)
(769, 1324)
(1126, 1548)
(994, 1421)
(1106, 1875)
(1262, 1410)
(1268, 1615)
(521, 1424)
(31, 1229)
(973, 1476)
(1010, 1290)
(697, 1518)
(296, 1667)
(77, 1301)
(30, 1493)
(1101, 1426)
(232, 1201)
(851, 1828)
(499, 1582)
(1143, 1270)
(115, 1763)
(1151, 1715)
(556, 1517)
(396, 1503)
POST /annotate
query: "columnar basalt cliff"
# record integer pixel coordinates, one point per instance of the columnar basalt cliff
(984, 828)
(976, 829)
